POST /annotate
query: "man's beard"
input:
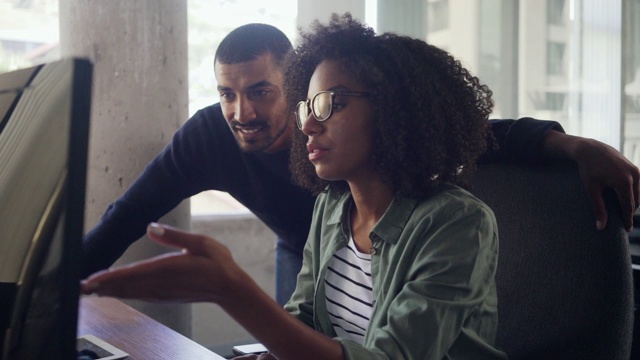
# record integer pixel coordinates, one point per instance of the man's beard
(261, 144)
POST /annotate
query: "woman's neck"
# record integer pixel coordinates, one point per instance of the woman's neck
(371, 200)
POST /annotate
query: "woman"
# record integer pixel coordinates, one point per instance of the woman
(400, 260)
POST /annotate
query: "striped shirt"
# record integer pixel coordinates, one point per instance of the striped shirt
(349, 292)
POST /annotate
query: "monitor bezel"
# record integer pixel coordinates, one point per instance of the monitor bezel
(71, 195)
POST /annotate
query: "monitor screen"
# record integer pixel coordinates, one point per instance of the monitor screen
(44, 126)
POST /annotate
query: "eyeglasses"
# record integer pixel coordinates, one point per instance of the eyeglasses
(321, 105)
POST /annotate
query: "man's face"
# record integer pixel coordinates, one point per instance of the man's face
(253, 103)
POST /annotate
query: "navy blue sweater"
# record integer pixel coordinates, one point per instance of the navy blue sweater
(204, 155)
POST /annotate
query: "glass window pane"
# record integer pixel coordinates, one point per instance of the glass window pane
(631, 81)
(555, 12)
(555, 58)
(569, 68)
(29, 33)
(437, 15)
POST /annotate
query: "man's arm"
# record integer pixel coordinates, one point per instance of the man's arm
(518, 140)
(125, 220)
(601, 167)
(531, 141)
(176, 173)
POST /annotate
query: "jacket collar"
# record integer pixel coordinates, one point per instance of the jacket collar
(389, 227)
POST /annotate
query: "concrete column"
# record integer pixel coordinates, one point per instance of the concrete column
(140, 98)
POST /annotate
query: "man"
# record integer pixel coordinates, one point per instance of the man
(241, 146)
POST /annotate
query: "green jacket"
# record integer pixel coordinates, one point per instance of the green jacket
(433, 277)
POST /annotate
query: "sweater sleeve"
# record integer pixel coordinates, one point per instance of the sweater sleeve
(518, 140)
(172, 176)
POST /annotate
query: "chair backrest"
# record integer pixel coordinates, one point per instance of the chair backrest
(564, 288)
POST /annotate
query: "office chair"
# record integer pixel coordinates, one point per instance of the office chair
(564, 288)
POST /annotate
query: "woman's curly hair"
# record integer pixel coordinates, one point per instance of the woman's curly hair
(430, 113)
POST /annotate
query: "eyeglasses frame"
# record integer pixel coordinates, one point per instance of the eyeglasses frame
(333, 93)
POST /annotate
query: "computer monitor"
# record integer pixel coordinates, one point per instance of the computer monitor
(44, 127)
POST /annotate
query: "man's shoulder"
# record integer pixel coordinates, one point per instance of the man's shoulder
(211, 113)
(206, 133)
(208, 120)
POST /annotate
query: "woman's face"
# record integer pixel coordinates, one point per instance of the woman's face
(340, 147)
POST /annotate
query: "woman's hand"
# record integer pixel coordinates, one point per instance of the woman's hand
(203, 271)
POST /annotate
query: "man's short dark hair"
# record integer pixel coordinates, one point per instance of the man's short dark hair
(247, 42)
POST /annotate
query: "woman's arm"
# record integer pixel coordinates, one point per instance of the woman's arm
(206, 271)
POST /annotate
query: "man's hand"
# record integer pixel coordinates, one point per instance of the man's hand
(203, 271)
(601, 167)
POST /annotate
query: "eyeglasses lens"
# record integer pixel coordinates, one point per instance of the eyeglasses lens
(302, 113)
(322, 106)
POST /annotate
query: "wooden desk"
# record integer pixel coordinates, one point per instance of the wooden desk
(135, 333)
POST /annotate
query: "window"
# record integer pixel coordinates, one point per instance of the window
(555, 12)
(437, 15)
(29, 33)
(555, 58)
(554, 101)
(631, 80)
